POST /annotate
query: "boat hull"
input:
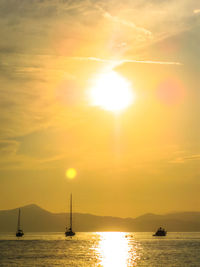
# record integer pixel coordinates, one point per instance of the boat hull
(69, 233)
(19, 234)
(163, 234)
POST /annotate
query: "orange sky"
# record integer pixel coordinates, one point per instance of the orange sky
(144, 158)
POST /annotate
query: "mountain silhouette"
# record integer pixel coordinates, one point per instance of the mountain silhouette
(36, 219)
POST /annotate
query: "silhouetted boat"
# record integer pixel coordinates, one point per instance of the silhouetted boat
(19, 232)
(69, 231)
(160, 232)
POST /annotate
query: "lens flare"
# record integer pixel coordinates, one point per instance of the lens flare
(71, 173)
(171, 92)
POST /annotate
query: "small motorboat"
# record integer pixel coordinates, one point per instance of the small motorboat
(160, 232)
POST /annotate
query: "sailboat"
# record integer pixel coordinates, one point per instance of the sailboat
(19, 232)
(69, 231)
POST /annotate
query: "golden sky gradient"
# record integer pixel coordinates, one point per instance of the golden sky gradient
(144, 158)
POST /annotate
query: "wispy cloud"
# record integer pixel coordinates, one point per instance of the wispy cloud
(186, 158)
(120, 62)
(151, 62)
(124, 22)
(127, 23)
(8, 147)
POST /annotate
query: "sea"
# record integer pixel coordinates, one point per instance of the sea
(107, 249)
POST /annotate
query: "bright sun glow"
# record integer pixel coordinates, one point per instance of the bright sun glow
(111, 92)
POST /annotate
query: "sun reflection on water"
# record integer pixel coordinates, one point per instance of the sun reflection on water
(115, 249)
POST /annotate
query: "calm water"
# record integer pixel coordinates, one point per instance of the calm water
(110, 249)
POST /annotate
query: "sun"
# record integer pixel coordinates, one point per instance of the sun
(111, 91)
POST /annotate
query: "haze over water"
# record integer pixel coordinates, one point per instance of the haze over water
(106, 249)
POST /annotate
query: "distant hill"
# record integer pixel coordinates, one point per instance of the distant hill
(36, 219)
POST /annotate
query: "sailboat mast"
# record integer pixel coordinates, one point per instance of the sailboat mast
(71, 211)
(18, 225)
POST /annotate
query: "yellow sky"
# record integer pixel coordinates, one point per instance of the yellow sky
(144, 158)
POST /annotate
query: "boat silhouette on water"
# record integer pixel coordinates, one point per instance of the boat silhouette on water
(69, 231)
(160, 232)
(19, 232)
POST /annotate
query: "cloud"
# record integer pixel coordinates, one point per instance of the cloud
(56, 36)
(119, 62)
(138, 30)
(13, 157)
(150, 62)
(37, 9)
(128, 24)
(8, 147)
(186, 158)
